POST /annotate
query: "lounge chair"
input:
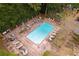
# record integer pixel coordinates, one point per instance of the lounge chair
(50, 38)
(40, 17)
(54, 33)
(13, 35)
(11, 39)
(16, 42)
(4, 33)
(19, 45)
(23, 50)
(32, 23)
(39, 20)
(23, 53)
(27, 28)
(28, 25)
(36, 21)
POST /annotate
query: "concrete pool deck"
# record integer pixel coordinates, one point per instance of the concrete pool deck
(33, 49)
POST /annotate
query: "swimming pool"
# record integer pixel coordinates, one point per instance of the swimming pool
(40, 33)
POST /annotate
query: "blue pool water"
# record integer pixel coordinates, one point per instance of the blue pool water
(40, 33)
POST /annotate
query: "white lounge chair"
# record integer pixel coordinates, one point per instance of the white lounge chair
(23, 50)
(23, 53)
(13, 35)
(54, 33)
(50, 38)
(19, 45)
(4, 33)
(16, 42)
(28, 25)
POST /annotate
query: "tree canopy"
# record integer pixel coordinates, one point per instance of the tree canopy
(13, 14)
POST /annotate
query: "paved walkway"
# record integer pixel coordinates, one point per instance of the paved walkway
(33, 49)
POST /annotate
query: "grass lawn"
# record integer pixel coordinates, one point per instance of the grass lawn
(4, 51)
(46, 53)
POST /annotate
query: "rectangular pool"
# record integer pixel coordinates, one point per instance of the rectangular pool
(40, 33)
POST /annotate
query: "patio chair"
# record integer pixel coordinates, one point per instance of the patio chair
(54, 33)
(34, 21)
(23, 50)
(50, 38)
(15, 42)
(28, 26)
(4, 33)
(12, 39)
(23, 53)
(19, 45)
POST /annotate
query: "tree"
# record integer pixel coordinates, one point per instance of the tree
(14, 14)
(43, 8)
(39, 7)
(47, 53)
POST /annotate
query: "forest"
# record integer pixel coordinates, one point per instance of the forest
(14, 14)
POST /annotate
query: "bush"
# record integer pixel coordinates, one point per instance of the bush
(3, 52)
(46, 53)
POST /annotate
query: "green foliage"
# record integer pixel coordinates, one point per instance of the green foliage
(55, 7)
(35, 6)
(12, 14)
(75, 5)
(3, 52)
(46, 53)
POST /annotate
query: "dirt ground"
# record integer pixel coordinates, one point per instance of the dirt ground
(61, 45)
